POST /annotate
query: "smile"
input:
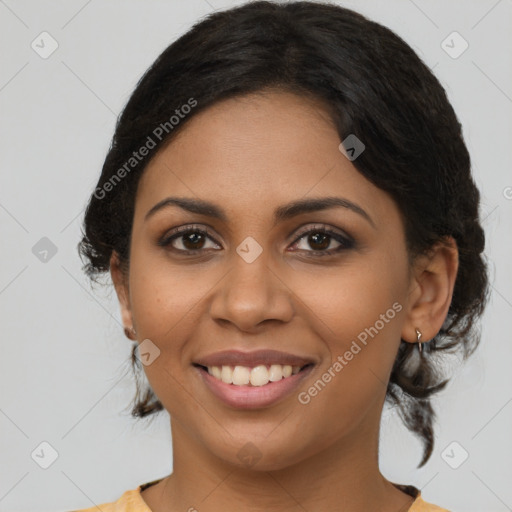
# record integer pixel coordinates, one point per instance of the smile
(255, 389)
(259, 375)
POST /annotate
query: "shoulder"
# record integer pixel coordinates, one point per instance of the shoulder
(130, 501)
(419, 505)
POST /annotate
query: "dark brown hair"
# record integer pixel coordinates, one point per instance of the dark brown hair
(377, 88)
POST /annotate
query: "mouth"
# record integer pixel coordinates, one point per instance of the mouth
(252, 380)
(256, 376)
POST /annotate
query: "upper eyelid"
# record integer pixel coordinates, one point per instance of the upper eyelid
(176, 233)
(306, 228)
(301, 231)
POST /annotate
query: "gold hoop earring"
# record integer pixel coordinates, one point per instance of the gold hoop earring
(418, 338)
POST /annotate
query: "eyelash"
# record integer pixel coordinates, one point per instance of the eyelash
(345, 241)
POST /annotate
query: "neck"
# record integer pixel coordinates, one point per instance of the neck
(343, 477)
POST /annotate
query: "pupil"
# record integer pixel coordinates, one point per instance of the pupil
(320, 235)
(194, 238)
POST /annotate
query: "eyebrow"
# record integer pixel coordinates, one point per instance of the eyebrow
(281, 213)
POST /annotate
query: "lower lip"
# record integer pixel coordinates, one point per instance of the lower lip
(253, 397)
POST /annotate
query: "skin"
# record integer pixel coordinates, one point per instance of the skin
(250, 155)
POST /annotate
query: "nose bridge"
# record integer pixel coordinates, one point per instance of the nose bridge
(251, 292)
(251, 267)
(250, 285)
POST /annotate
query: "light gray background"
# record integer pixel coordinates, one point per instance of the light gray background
(64, 371)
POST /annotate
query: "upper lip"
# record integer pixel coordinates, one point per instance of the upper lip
(255, 358)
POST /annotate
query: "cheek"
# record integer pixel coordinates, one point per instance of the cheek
(168, 304)
(349, 389)
(163, 305)
(164, 296)
(352, 298)
(358, 313)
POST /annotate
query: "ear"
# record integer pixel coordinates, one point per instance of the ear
(120, 281)
(431, 289)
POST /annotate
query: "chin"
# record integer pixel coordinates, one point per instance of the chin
(255, 453)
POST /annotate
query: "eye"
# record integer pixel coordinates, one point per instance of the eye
(187, 239)
(320, 239)
(192, 239)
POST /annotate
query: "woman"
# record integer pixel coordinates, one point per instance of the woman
(289, 219)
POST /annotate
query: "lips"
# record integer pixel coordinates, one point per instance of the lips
(250, 385)
(253, 397)
(252, 359)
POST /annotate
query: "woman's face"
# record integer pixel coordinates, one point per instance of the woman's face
(266, 277)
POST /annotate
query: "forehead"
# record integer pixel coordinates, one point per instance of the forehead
(251, 152)
(249, 137)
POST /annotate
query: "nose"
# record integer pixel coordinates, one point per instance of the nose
(252, 294)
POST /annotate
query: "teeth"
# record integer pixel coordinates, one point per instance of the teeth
(226, 375)
(241, 375)
(257, 376)
(275, 373)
